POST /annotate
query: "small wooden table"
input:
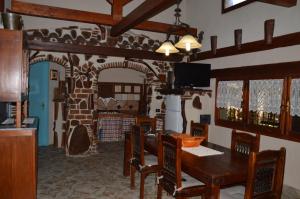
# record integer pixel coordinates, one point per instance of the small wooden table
(216, 171)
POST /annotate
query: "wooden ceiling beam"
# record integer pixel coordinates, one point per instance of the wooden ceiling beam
(86, 17)
(124, 2)
(60, 13)
(99, 50)
(284, 3)
(117, 10)
(146, 10)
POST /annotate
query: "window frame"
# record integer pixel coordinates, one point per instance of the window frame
(286, 71)
(236, 6)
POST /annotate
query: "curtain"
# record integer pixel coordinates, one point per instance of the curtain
(295, 97)
(230, 94)
(265, 95)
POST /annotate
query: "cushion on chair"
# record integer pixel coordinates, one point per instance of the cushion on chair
(189, 181)
(235, 192)
(150, 160)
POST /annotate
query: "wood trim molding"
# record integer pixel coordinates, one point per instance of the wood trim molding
(277, 42)
(99, 50)
(259, 71)
(143, 12)
(284, 3)
(86, 17)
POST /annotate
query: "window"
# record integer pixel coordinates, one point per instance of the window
(265, 102)
(229, 100)
(294, 113)
(228, 5)
(261, 99)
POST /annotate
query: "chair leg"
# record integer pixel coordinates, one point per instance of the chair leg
(142, 185)
(159, 191)
(132, 177)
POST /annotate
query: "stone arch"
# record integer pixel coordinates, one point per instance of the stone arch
(125, 64)
(50, 58)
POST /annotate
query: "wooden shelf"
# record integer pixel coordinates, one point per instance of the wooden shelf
(183, 92)
(277, 42)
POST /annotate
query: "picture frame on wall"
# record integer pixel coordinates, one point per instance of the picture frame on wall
(53, 74)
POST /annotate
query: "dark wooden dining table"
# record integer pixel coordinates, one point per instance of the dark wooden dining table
(216, 171)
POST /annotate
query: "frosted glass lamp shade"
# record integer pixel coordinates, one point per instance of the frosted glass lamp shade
(188, 42)
(167, 48)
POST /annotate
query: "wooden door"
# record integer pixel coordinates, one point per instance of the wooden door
(39, 99)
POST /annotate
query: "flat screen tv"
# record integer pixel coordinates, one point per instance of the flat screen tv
(191, 75)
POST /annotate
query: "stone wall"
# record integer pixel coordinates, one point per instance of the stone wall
(82, 75)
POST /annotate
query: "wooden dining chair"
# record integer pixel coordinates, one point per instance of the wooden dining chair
(171, 178)
(145, 164)
(244, 142)
(198, 129)
(265, 177)
(147, 123)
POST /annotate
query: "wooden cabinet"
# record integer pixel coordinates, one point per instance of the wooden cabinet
(130, 96)
(18, 163)
(13, 70)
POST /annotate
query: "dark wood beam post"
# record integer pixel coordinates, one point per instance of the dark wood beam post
(124, 2)
(1, 5)
(143, 12)
(87, 17)
(117, 10)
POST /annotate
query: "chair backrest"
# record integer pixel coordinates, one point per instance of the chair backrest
(198, 129)
(169, 158)
(137, 145)
(146, 123)
(244, 142)
(265, 174)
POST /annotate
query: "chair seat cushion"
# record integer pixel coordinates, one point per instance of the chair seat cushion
(235, 192)
(189, 181)
(150, 160)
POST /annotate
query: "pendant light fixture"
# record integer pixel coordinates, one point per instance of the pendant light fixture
(167, 47)
(187, 42)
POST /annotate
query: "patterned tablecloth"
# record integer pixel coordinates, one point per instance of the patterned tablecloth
(112, 127)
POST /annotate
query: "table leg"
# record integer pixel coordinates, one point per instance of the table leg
(214, 192)
(127, 155)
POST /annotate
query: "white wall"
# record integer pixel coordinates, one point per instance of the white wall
(206, 15)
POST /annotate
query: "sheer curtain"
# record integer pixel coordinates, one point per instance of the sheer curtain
(230, 94)
(295, 97)
(265, 95)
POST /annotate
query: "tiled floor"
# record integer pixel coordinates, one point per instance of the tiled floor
(94, 177)
(97, 176)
